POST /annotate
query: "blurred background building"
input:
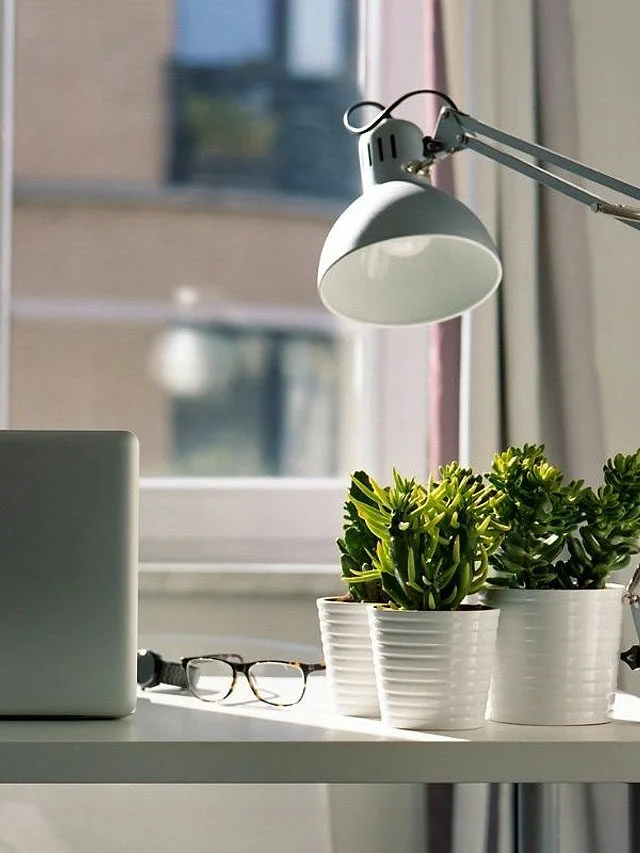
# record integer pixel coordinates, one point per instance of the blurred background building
(178, 164)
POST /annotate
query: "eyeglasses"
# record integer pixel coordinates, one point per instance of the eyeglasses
(276, 682)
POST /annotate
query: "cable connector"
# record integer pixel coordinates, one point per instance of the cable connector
(631, 657)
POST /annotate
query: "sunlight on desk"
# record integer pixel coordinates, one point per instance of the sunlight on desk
(175, 738)
(313, 710)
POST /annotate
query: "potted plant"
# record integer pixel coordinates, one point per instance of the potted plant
(559, 636)
(344, 623)
(432, 644)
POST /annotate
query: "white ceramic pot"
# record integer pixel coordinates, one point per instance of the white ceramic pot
(557, 655)
(346, 644)
(433, 668)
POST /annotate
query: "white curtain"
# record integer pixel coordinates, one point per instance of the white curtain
(536, 365)
(532, 348)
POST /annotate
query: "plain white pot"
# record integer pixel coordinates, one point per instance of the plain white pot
(346, 644)
(433, 667)
(557, 655)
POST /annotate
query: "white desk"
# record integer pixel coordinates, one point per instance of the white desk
(177, 739)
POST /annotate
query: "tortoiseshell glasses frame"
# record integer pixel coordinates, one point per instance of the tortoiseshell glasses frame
(223, 669)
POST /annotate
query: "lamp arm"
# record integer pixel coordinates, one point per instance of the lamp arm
(456, 131)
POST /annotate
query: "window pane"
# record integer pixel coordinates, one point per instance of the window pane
(317, 46)
(216, 32)
(178, 166)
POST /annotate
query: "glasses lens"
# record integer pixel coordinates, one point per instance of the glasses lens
(277, 683)
(210, 680)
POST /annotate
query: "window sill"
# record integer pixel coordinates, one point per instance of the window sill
(206, 579)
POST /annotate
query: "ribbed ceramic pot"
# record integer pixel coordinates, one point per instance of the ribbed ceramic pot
(557, 655)
(346, 644)
(433, 668)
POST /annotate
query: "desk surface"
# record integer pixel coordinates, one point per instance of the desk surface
(175, 738)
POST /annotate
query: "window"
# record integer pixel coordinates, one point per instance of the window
(257, 88)
(268, 408)
(151, 250)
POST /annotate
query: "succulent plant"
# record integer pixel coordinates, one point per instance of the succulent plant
(434, 541)
(358, 544)
(563, 535)
(610, 531)
(540, 511)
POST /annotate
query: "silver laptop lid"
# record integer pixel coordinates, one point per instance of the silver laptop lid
(68, 569)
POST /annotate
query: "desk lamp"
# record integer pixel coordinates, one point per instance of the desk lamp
(405, 252)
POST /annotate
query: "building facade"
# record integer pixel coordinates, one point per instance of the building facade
(171, 199)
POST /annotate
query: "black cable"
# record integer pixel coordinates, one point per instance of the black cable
(386, 111)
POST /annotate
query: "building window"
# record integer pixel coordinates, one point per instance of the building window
(249, 403)
(255, 91)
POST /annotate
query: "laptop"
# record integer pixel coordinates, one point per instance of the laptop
(68, 573)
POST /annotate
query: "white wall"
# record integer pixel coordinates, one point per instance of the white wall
(163, 818)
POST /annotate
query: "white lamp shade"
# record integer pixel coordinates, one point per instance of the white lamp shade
(405, 253)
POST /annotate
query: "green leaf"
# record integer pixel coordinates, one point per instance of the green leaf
(364, 577)
(455, 554)
(411, 566)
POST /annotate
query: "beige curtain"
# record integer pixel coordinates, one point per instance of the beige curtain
(532, 354)
(530, 357)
